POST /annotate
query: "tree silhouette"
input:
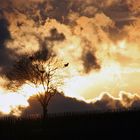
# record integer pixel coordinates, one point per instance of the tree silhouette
(46, 74)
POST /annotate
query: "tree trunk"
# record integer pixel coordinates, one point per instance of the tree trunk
(45, 112)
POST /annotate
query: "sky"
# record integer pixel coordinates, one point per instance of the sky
(98, 38)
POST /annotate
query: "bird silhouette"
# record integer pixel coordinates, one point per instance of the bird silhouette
(66, 65)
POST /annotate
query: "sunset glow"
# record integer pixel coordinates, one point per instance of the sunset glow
(100, 48)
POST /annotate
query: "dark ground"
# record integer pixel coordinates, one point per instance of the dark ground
(90, 125)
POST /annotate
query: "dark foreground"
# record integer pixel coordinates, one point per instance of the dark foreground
(111, 125)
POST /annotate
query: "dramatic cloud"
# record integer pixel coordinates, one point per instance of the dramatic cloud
(125, 100)
(5, 53)
(98, 38)
(105, 102)
(59, 104)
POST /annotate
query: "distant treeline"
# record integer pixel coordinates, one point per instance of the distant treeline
(67, 114)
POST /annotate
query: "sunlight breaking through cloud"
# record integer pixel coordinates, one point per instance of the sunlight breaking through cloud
(100, 45)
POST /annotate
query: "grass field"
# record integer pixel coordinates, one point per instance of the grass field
(88, 125)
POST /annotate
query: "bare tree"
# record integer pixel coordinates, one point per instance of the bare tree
(38, 73)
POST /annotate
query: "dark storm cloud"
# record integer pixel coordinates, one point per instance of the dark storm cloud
(5, 53)
(89, 58)
(15, 7)
(119, 11)
(125, 100)
(136, 104)
(61, 104)
(44, 52)
(40, 10)
(4, 32)
(90, 62)
(59, 10)
(55, 35)
(107, 103)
